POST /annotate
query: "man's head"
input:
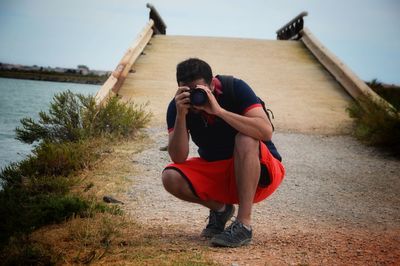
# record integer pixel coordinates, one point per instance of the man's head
(193, 69)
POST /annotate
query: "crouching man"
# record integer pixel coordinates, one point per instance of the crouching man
(238, 163)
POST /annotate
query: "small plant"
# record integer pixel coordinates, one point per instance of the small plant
(118, 119)
(23, 251)
(390, 93)
(74, 117)
(63, 122)
(376, 126)
(24, 208)
(61, 158)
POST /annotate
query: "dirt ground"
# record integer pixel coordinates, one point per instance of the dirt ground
(339, 201)
(338, 205)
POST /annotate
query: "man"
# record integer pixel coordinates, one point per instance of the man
(235, 164)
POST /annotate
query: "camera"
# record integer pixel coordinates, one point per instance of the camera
(198, 97)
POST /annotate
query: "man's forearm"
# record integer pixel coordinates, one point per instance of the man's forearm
(178, 144)
(256, 127)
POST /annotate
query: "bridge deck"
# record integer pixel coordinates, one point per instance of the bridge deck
(302, 94)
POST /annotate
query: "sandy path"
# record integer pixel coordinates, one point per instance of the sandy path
(338, 204)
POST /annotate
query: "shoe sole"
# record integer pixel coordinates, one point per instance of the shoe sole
(221, 243)
(207, 234)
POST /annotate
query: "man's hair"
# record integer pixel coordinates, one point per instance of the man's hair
(193, 69)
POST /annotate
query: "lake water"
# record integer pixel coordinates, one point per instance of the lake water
(26, 98)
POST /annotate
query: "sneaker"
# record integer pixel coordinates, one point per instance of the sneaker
(235, 235)
(217, 221)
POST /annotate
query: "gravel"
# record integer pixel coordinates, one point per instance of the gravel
(335, 188)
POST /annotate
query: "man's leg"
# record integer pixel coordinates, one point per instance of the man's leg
(220, 213)
(247, 172)
(178, 186)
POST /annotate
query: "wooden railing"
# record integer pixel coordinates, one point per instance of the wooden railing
(118, 76)
(291, 30)
(159, 26)
(111, 87)
(357, 88)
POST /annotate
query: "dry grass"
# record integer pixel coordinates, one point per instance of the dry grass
(110, 175)
(115, 240)
(108, 239)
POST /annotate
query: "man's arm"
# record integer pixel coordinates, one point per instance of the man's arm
(178, 138)
(253, 123)
(178, 141)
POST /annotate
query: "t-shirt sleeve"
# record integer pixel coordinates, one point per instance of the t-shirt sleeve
(248, 99)
(171, 115)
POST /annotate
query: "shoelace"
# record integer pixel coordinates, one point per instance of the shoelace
(232, 228)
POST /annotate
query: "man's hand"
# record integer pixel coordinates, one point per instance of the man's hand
(211, 107)
(182, 101)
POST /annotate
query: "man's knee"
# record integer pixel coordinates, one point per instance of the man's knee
(172, 180)
(245, 145)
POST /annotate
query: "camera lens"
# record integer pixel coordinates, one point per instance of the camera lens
(198, 97)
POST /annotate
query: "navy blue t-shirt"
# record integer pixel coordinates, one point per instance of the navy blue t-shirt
(214, 137)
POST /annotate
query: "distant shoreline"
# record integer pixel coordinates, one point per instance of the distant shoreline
(56, 77)
(81, 74)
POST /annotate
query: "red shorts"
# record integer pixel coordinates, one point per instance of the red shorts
(216, 180)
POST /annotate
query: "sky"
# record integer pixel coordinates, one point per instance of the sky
(364, 34)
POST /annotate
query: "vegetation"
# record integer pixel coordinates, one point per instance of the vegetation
(390, 93)
(376, 126)
(68, 76)
(38, 191)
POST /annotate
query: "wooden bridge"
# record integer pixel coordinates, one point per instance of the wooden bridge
(306, 86)
(339, 200)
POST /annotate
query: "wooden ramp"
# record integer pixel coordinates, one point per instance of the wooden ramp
(305, 85)
(302, 94)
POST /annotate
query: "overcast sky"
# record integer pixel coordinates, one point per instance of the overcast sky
(364, 34)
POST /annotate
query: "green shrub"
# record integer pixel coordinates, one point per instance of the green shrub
(375, 126)
(74, 117)
(119, 119)
(61, 158)
(390, 93)
(22, 251)
(63, 122)
(50, 159)
(49, 185)
(11, 175)
(55, 208)
(24, 209)
(36, 191)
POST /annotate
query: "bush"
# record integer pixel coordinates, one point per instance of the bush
(118, 119)
(23, 209)
(23, 251)
(63, 122)
(36, 191)
(390, 93)
(11, 175)
(375, 126)
(61, 158)
(74, 117)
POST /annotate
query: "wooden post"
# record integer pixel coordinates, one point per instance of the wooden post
(159, 25)
(291, 30)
